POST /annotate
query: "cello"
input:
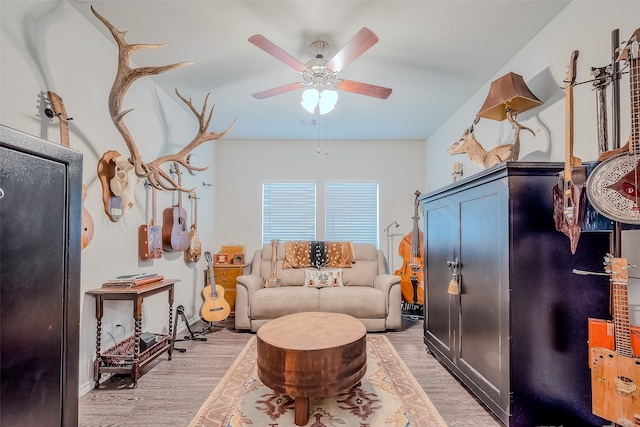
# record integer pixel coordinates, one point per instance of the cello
(412, 276)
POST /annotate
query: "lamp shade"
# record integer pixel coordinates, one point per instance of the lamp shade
(327, 101)
(324, 100)
(509, 91)
(310, 99)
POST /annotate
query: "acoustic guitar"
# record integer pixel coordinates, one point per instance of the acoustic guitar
(615, 369)
(175, 236)
(58, 110)
(214, 308)
(612, 187)
(568, 195)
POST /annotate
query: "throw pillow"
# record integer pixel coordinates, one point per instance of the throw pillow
(323, 278)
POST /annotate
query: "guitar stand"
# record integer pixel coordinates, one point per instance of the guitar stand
(192, 336)
(207, 329)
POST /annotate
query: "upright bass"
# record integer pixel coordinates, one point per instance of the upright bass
(412, 276)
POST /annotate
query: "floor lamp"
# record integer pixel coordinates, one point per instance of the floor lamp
(389, 238)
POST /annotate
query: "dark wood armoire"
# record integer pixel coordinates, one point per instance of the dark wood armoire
(516, 334)
(40, 244)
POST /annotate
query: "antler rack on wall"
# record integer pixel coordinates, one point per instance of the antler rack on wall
(125, 77)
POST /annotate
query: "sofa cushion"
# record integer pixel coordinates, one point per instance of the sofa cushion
(365, 269)
(271, 303)
(359, 302)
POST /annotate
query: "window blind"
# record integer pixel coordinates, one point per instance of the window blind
(288, 211)
(351, 212)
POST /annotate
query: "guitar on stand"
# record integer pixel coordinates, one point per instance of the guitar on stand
(215, 308)
(615, 369)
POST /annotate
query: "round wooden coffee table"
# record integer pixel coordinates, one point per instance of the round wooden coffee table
(305, 355)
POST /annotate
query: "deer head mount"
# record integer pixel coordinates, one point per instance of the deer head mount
(125, 77)
(468, 144)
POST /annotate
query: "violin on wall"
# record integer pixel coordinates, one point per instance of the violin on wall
(411, 273)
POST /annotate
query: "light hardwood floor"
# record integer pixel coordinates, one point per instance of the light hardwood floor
(171, 392)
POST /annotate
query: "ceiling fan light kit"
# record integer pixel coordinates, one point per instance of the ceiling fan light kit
(319, 73)
(325, 100)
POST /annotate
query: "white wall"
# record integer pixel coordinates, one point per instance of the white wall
(243, 166)
(585, 26)
(47, 45)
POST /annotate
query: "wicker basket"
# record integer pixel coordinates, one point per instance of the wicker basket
(122, 354)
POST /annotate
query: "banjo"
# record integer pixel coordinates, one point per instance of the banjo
(613, 186)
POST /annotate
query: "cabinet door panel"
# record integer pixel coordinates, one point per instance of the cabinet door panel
(481, 311)
(438, 250)
(32, 314)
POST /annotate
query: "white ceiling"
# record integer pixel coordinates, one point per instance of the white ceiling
(433, 54)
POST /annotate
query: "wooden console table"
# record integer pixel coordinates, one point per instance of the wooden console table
(125, 357)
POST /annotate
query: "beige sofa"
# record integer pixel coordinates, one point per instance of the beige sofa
(368, 294)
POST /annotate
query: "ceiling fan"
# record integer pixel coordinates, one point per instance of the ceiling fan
(320, 73)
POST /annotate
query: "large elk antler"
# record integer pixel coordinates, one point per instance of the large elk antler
(125, 77)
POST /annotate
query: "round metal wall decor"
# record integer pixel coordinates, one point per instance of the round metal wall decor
(612, 188)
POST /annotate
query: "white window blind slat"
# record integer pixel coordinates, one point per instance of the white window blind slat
(288, 211)
(351, 212)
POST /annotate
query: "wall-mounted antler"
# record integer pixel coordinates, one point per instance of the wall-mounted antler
(125, 77)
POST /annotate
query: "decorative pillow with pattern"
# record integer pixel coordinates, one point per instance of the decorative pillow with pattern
(323, 278)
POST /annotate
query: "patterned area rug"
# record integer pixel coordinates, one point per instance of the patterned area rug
(388, 395)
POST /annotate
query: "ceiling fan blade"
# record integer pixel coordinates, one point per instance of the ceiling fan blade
(260, 41)
(363, 88)
(359, 44)
(278, 90)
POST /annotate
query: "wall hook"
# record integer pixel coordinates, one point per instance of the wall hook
(51, 114)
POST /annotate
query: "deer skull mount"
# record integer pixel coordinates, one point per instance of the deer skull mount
(124, 182)
(125, 77)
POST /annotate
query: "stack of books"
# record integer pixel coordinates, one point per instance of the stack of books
(132, 280)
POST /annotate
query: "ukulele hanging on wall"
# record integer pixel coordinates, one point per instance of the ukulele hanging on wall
(568, 195)
(58, 110)
(193, 252)
(175, 234)
(150, 236)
